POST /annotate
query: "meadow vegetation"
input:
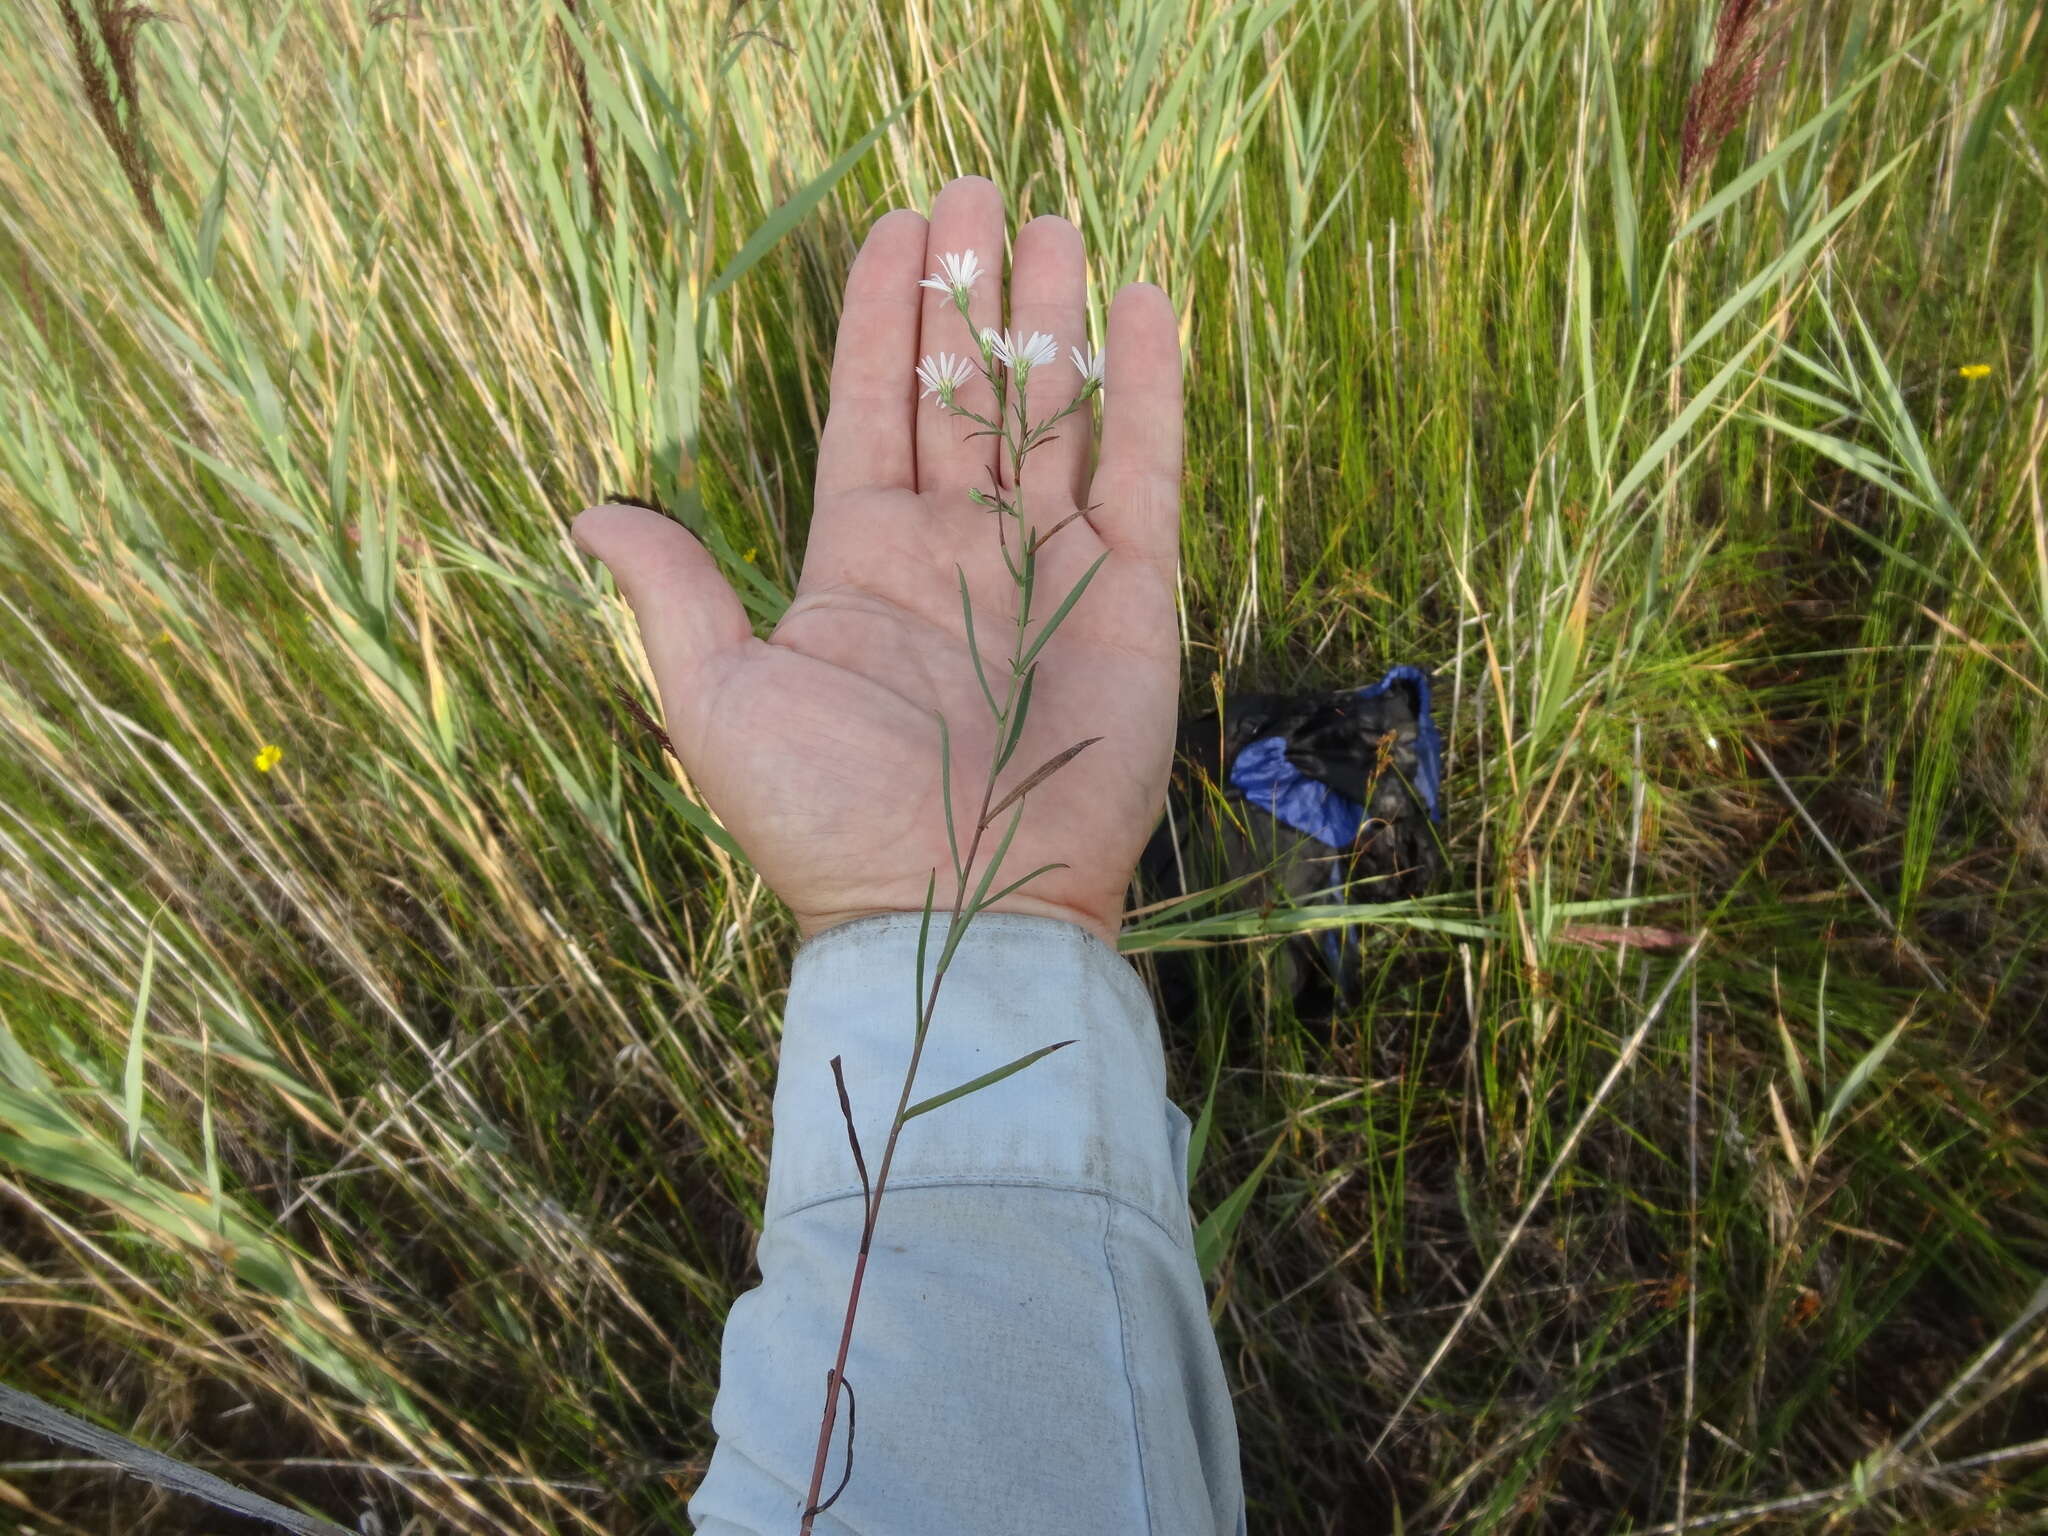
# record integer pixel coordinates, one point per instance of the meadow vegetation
(387, 1040)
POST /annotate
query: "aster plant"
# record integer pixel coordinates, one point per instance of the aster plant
(1006, 360)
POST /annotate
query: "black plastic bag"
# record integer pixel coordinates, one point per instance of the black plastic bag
(1329, 797)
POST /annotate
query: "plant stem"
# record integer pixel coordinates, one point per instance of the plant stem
(1018, 447)
(874, 1204)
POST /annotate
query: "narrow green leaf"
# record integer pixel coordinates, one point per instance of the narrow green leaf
(1213, 1235)
(1795, 1069)
(995, 863)
(209, 1142)
(793, 212)
(1021, 880)
(1018, 711)
(1198, 1138)
(1605, 905)
(1787, 263)
(1582, 328)
(1896, 419)
(1839, 409)
(958, 930)
(338, 438)
(924, 933)
(1766, 164)
(206, 245)
(1336, 202)
(1894, 554)
(1564, 645)
(1189, 903)
(946, 794)
(1859, 1075)
(689, 810)
(1817, 369)
(1060, 613)
(1851, 456)
(1646, 464)
(268, 500)
(138, 1023)
(250, 1057)
(1625, 219)
(975, 1085)
(2039, 350)
(974, 650)
(455, 552)
(1259, 924)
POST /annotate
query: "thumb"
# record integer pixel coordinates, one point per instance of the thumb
(688, 613)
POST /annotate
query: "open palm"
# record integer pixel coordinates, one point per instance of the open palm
(819, 747)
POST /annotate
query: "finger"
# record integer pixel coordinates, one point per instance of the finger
(688, 614)
(967, 215)
(867, 441)
(1049, 292)
(1135, 495)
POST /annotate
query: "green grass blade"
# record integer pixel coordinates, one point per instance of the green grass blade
(798, 208)
(1198, 1134)
(138, 1025)
(1858, 1076)
(1215, 1231)
(695, 815)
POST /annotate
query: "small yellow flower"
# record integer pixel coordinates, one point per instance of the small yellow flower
(749, 555)
(269, 758)
(163, 637)
(1975, 370)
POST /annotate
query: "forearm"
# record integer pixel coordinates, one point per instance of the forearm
(1033, 1351)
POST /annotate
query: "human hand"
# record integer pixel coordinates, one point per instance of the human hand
(818, 747)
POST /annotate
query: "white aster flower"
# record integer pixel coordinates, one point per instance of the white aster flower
(942, 375)
(1019, 353)
(1090, 364)
(958, 271)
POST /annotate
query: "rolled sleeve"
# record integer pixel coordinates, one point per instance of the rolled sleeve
(1033, 1349)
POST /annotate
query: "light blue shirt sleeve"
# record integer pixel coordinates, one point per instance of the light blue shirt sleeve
(1033, 1352)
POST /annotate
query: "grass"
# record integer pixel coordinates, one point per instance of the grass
(387, 1130)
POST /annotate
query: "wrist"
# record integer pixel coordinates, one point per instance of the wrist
(1017, 984)
(1104, 926)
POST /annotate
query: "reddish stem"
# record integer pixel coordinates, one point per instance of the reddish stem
(872, 1213)
(874, 1203)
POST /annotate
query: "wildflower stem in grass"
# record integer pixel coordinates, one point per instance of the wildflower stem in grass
(1008, 359)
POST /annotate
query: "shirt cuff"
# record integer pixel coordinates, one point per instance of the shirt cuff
(1092, 1117)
